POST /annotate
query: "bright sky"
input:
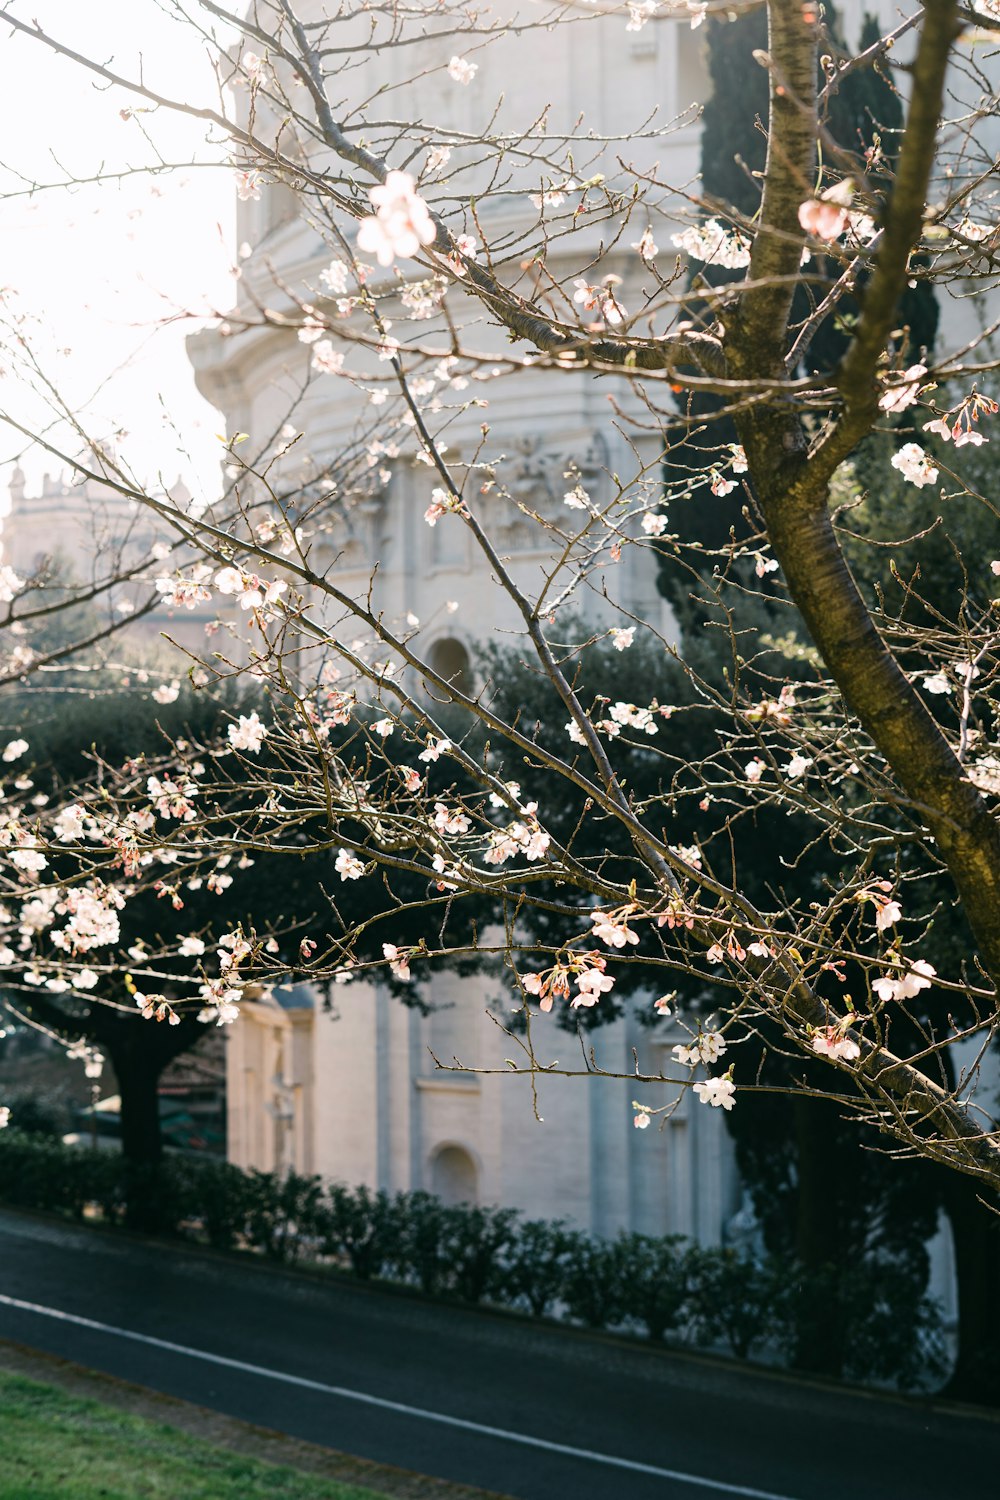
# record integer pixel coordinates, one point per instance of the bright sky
(99, 270)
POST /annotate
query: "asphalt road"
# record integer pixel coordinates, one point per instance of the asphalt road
(535, 1413)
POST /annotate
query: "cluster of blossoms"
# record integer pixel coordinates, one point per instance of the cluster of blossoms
(586, 970)
(443, 504)
(10, 584)
(707, 1047)
(718, 483)
(524, 835)
(466, 249)
(156, 1008)
(248, 733)
(248, 186)
(220, 1002)
(646, 247)
(450, 820)
(326, 360)
(718, 1092)
(402, 224)
(612, 927)
(832, 1041)
(620, 716)
(92, 913)
(398, 959)
(905, 981)
(958, 426)
(348, 866)
(251, 591)
(462, 71)
(600, 299)
(434, 750)
(185, 591)
(677, 913)
(887, 910)
(775, 711)
(639, 12)
(714, 244)
(902, 390)
(731, 947)
(172, 799)
(827, 216)
(915, 465)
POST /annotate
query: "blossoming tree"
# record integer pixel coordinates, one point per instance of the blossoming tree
(463, 256)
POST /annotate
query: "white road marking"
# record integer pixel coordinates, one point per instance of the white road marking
(697, 1481)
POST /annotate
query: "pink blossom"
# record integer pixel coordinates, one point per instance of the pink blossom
(622, 639)
(823, 218)
(600, 299)
(248, 186)
(905, 986)
(248, 734)
(613, 930)
(435, 749)
(466, 248)
(326, 359)
(402, 221)
(904, 389)
(720, 486)
(398, 959)
(831, 1042)
(646, 247)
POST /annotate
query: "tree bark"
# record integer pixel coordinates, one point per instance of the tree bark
(138, 1076)
(819, 1346)
(975, 1225)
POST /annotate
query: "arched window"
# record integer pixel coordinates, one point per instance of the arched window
(454, 1178)
(450, 660)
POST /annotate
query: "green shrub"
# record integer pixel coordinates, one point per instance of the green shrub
(424, 1243)
(476, 1241)
(219, 1199)
(362, 1227)
(887, 1330)
(593, 1289)
(657, 1278)
(283, 1213)
(736, 1298)
(533, 1271)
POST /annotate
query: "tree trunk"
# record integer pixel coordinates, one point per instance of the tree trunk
(819, 1331)
(138, 1080)
(975, 1226)
(138, 1075)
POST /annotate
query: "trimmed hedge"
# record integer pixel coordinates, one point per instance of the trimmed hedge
(665, 1288)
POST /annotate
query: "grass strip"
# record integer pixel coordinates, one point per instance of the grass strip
(54, 1446)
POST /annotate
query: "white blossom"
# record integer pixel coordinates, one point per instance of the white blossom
(248, 734)
(717, 1092)
(461, 70)
(402, 221)
(915, 465)
(712, 243)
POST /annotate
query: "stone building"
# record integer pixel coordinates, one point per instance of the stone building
(352, 1090)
